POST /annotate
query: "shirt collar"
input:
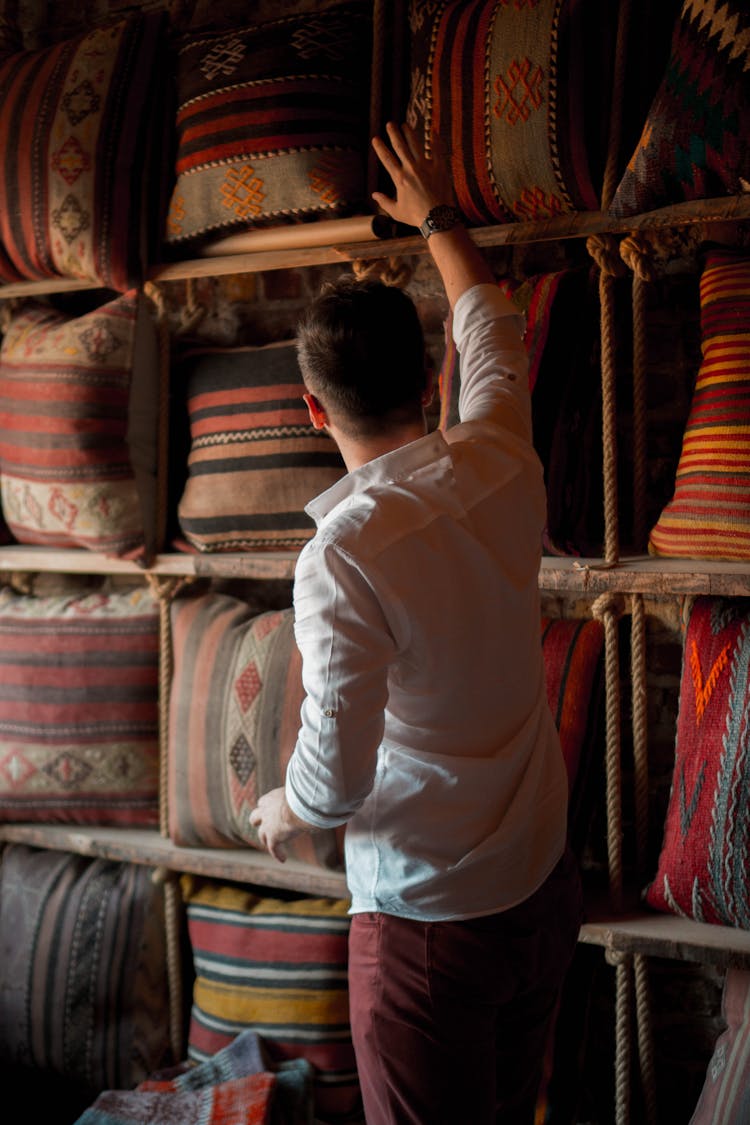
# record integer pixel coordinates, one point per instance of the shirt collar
(396, 465)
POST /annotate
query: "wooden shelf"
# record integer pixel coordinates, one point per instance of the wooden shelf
(260, 564)
(664, 935)
(342, 250)
(147, 846)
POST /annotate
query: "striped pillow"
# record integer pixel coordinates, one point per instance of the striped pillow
(78, 427)
(518, 94)
(75, 123)
(234, 718)
(79, 708)
(255, 460)
(83, 973)
(708, 516)
(272, 121)
(280, 968)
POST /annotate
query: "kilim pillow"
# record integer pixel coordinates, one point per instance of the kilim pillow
(233, 723)
(280, 968)
(255, 460)
(725, 1097)
(75, 128)
(272, 121)
(696, 140)
(78, 427)
(79, 708)
(709, 515)
(518, 95)
(704, 868)
(82, 968)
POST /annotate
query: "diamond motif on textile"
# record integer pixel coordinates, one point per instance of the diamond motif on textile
(266, 624)
(242, 192)
(70, 218)
(520, 92)
(533, 203)
(70, 160)
(81, 101)
(417, 107)
(247, 685)
(326, 38)
(60, 507)
(242, 760)
(16, 768)
(223, 58)
(29, 504)
(99, 341)
(67, 770)
(323, 179)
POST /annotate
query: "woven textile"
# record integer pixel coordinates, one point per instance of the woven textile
(696, 140)
(79, 708)
(725, 1097)
(518, 95)
(82, 968)
(279, 968)
(272, 121)
(78, 428)
(704, 868)
(709, 515)
(255, 460)
(74, 137)
(234, 718)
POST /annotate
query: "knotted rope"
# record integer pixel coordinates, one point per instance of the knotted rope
(636, 253)
(156, 296)
(172, 932)
(623, 1019)
(607, 609)
(645, 1035)
(391, 271)
(640, 726)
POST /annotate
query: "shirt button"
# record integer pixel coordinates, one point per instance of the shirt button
(329, 712)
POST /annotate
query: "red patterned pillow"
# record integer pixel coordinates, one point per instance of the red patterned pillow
(518, 94)
(79, 739)
(76, 122)
(696, 140)
(272, 121)
(234, 719)
(704, 866)
(78, 427)
(709, 515)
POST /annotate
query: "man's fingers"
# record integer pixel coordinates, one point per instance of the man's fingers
(386, 157)
(399, 142)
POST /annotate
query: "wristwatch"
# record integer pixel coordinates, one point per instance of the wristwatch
(440, 218)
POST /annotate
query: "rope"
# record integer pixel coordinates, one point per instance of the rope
(156, 296)
(611, 169)
(640, 726)
(172, 923)
(622, 963)
(391, 271)
(379, 27)
(191, 313)
(636, 253)
(166, 590)
(645, 1037)
(607, 609)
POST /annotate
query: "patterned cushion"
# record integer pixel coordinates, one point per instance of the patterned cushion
(234, 717)
(709, 515)
(78, 427)
(74, 138)
(255, 460)
(704, 868)
(82, 968)
(519, 95)
(272, 121)
(280, 968)
(696, 140)
(78, 708)
(725, 1097)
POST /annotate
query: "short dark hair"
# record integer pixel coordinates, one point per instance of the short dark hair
(362, 354)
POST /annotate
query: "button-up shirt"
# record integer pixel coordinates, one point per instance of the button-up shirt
(425, 726)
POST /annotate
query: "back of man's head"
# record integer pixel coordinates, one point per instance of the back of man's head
(361, 352)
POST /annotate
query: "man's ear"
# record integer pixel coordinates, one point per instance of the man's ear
(318, 416)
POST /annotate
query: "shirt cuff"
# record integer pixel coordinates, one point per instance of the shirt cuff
(312, 817)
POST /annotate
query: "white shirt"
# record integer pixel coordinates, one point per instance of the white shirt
(425, 726)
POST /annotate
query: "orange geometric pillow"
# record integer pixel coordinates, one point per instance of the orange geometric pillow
(709, 515)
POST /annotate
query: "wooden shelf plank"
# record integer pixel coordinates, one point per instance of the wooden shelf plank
(645, 574)
(261, 564)
(146, 846)
(665, 935)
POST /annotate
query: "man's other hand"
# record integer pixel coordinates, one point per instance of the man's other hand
(275, 823)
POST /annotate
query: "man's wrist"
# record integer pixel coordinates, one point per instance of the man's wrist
(440, 218)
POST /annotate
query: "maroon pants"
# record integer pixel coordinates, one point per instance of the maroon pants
(450, 1019)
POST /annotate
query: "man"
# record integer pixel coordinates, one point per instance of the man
(425, 727)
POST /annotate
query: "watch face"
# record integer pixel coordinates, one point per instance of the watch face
(442, 218)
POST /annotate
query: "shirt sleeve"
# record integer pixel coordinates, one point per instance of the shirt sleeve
(494, 362)
(346, 649)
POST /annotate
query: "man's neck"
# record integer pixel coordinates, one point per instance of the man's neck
(357, 451)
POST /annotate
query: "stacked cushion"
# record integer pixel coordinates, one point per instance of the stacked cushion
(709, 515)
(272, 121)
(255, 460)
(79, 708)
(704, 871)
(82, 968)
(76, 124)
(234, 717)
(78, 427)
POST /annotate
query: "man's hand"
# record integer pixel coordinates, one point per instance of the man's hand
(420, 183)
(276, 823)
